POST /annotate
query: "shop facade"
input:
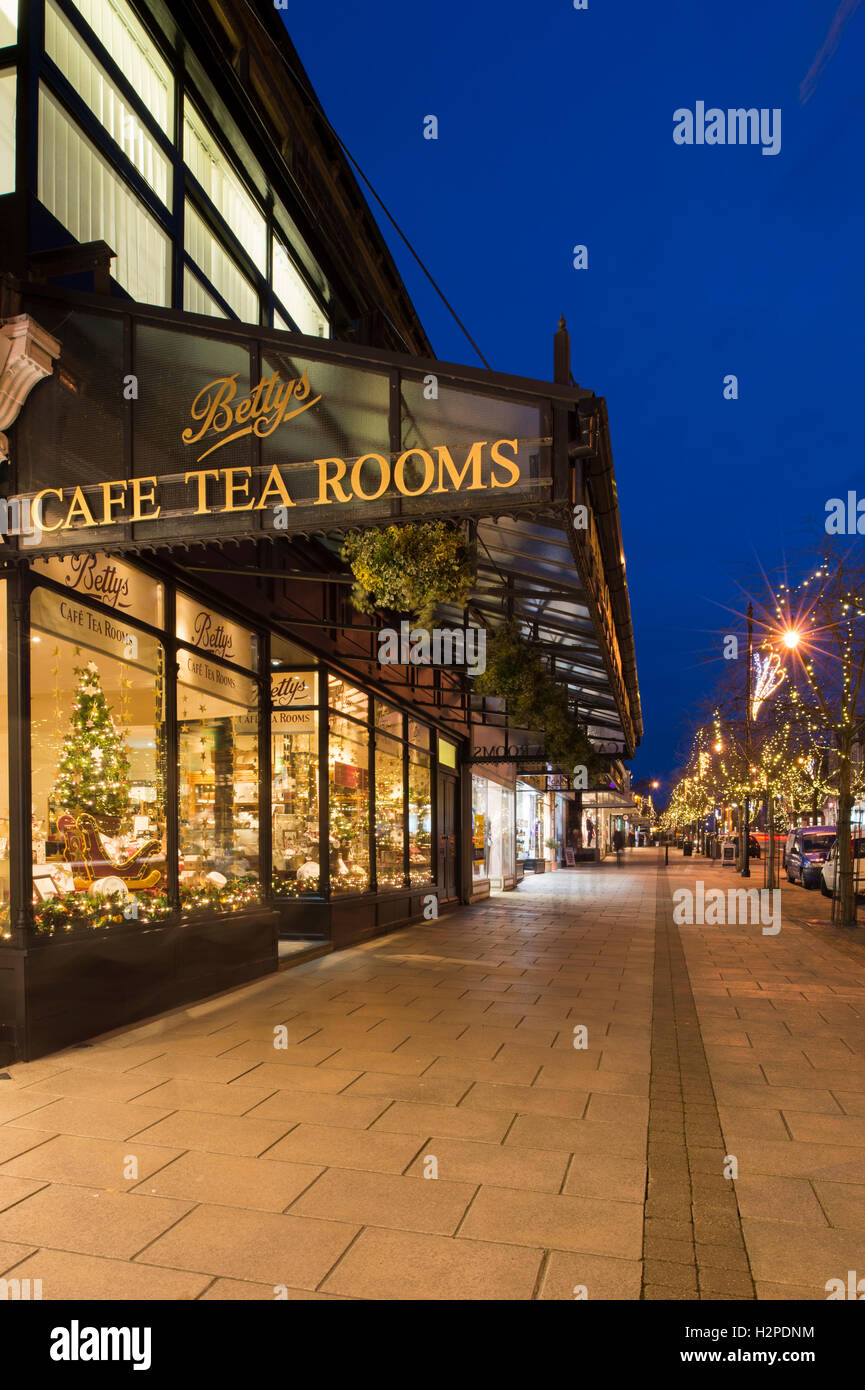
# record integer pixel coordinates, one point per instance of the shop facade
(210, 374)
(183, 765)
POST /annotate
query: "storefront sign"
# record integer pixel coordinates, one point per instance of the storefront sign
(215, 634)
(216, 412)
(103, 632)
(109, 581)
(193, 670)
(289, 689)
(289, 692)
(218, 491)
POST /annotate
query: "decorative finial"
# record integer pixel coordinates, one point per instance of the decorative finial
(562, 323)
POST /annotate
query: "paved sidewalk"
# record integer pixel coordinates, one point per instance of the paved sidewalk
(192, 1158)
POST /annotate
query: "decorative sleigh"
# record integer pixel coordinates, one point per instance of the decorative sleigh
(89, 859)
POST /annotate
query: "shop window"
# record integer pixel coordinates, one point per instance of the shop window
(217, 721)
(214, 261)
(109, 106)
(127, 41)
(447, 753)
(7, 131)
(285, 653)
(419, 816)
(349, 805)
(98, 756)
(215, 634)
(205, 159)
(345, 699)
(290, 287)
(77, 184)
(5, 930)
(294, 763)
(418, 734)
(529, 828)
(389, 813)
(480, 828)
(387, 719)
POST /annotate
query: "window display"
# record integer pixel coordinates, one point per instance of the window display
(389, 810)
(529, 832)
(480, 828)
(294, 767)
(98, 751)
(349, 804)
(217, 729)
(419, 812)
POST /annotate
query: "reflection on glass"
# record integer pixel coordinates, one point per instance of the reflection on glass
(345, 699)
(418, 734)
(389, 802)
(349, 806)
(388, 719)
(98, 755)
(217, 729)
(419, 816)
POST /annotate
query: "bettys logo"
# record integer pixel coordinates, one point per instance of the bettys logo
(289, 690)
(259, 413)
(211, 636)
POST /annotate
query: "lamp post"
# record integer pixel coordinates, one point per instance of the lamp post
(746, 828)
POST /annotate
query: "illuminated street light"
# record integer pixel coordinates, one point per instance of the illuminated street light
(791, 638)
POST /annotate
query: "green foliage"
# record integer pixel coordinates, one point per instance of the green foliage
(410, 568)
(516, 673)
(93, 771)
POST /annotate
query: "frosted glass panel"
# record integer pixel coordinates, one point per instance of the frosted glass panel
(196, 300)
(203, 248)
(213, 170)
(8, 22)
(139, 60)
(7, 132)
(77, 185)
(93, 85)
(290, 287)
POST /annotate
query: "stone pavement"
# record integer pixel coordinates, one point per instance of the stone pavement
(427, 1128)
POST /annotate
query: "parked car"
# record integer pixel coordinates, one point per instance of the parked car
(806, 851)
(754, 851)
(830, 868)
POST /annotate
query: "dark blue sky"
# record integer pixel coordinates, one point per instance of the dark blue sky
(555, 128)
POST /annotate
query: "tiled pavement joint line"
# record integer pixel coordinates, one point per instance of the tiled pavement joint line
(693, 1247)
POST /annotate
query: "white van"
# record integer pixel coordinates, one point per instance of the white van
(830, 868)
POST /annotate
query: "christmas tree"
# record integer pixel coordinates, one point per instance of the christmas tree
(93, 772)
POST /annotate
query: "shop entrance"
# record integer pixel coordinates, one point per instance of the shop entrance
(447, 810)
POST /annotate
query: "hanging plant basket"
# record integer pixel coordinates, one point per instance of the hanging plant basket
(410, 569)
(516, 673)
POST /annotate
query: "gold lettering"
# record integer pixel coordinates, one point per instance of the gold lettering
(399, 472)
(385, 477)
(109, 502)
(36, 509)
(473, 461)
(78, 506)
(511, 465)
(325, 482)
(275, 484)
(202, 474)
(210, 401)
(231, 487)
(149, 499)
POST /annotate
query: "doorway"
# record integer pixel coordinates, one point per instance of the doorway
(448, 838)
